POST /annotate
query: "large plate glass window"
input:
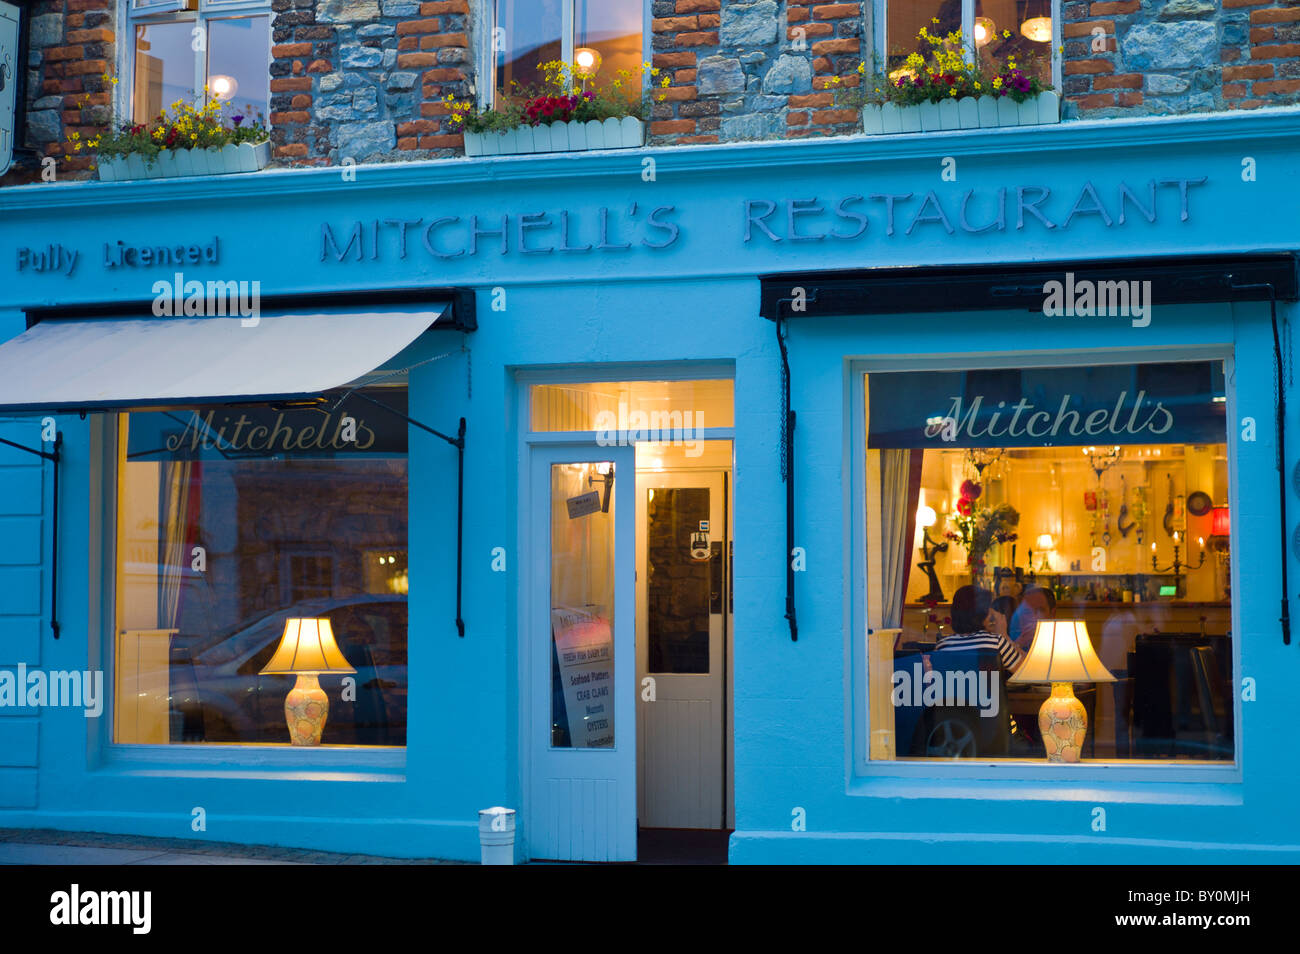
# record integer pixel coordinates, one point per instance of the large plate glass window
(528, 33)
(231, 521)
(998, 31)
(179, 47)
(1004, 504)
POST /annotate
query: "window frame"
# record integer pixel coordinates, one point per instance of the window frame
(367, 763)
(880, 33)
(863, 769)
(134, 13)
(485, 25)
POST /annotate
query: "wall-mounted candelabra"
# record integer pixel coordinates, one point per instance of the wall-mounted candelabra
(1178, 566)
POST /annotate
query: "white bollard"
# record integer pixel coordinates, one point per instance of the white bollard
(496, 835)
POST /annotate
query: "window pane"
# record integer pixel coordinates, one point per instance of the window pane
(904, 20)
(232, 521)
(1030, 42)
(582, 605)
(996, 521)
(613, 29)
(239, 51)
(527, 35)
(164, 67)
(678, 584)
(672, 411)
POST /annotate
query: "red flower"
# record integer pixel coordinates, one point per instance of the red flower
(964, 506)
(971, 490)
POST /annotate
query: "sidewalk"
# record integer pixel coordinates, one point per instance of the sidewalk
(20, 846)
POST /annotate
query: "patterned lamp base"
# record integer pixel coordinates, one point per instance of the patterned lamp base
(1063, 723)
(305, 709)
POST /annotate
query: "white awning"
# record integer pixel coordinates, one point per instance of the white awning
(96, 363)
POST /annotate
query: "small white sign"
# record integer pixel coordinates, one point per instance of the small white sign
(583, 504)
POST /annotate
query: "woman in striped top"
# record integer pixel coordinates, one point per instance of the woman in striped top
(976, 625)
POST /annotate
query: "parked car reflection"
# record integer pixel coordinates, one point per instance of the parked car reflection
(219, 695)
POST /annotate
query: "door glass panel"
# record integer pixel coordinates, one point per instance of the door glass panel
(582, 605)
(678, 578)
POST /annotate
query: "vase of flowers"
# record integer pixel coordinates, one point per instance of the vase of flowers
(977, 529)
(567, 112)
(948, 87)
(188, 141)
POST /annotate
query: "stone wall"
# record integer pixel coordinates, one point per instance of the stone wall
(361, 79)
(71, 47)
(752, 70)
(1179, 56)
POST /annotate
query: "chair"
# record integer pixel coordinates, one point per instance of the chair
(958, 727)
(1181, 702)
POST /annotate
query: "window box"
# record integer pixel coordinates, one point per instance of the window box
(625, 133)
(971, 112)
(171, 164)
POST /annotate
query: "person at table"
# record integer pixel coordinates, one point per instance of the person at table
(1036, 603)
(977, 625)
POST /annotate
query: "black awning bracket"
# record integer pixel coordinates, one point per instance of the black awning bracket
(787, 475)
(53, 457)
(457, 442)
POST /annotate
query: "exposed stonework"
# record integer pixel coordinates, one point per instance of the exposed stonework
(361, 80)
(1179, 56)
(72, 46)
(753, 69)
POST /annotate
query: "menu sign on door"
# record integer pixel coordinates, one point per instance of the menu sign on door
(584, 646)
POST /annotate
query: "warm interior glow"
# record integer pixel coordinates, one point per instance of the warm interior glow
(1038, 29)
(1061, 652)
(1219, 525)
(1044, 542)
(925, 516)
(307, 647)
(223, 87)
(984, 31)
(586, 61)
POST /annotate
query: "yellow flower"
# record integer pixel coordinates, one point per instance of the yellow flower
(997, 82)
(664, 82)
(74, 136)
(932, 20)
(456, 117)
(978, 86)
(654, 70)
(862, 69)
(1006, 34)
(952, 92)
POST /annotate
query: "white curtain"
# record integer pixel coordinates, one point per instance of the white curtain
(896, 529)
(174, 548)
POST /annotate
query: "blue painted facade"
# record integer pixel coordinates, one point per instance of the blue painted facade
(799, 723)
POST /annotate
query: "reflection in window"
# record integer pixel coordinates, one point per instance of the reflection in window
(1002, 499)
(164, 67)
(531, 32)
(231, 521)
(237, 64)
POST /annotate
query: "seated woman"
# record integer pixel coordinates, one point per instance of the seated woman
(977, 625)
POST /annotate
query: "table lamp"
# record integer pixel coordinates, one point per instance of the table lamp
(306, 650)
(1062, 654)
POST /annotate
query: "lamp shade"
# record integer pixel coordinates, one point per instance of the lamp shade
(306, 647)
(1219, 522)
(1061, 652)
(1045, 541)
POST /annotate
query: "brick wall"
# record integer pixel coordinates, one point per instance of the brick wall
(72, 46)
(360, 79)
(1179, 56)
(752, 70)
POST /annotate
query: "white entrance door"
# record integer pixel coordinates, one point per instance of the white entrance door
(580, 641)
(681, 648)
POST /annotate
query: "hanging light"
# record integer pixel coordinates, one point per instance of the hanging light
(985, 31)
(222, 87)
(586, 61)
(1038, 29)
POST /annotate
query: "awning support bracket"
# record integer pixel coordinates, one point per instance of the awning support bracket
(457, 442)
(787, 474)
(53, 457)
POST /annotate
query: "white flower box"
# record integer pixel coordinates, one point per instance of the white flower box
(970, 112)
(625, 133)
(170, 164)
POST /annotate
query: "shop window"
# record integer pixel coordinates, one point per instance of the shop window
(179, 50)
(529, 33)
(669, 411)
(996, 30)
(1003, 504)
(231, 521)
